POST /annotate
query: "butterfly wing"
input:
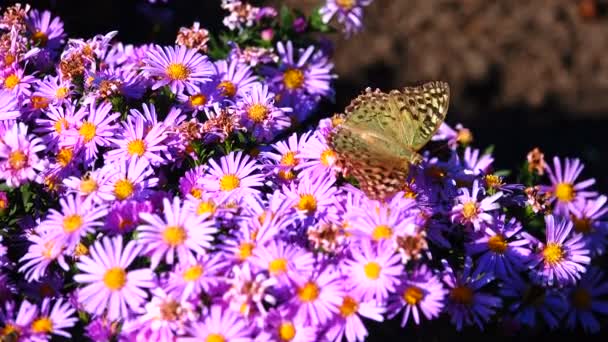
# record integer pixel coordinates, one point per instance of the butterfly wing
(421, 111)
(371, 111)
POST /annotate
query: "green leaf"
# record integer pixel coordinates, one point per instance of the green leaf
(503, 173)
(489, 149)
(286, 17)
(316, 22)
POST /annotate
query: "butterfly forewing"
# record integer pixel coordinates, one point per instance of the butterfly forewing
(371, 111)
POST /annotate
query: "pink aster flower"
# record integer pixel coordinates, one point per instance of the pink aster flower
(236, 174)
(110, 287)
(129, 179)
(179, 233)
(471, 212)
(8, 106)
(235, 78)
(317, 158)
(281, 325)
(140, 140)
(43, 251)
(220, 325)
(282, 260)
(189, 279)
(56, 122)
(94, 186)
(53, 320)
(249, 291)
(178, 67)
(348, 13)
(260, 115)
(19, 161)
(564, 189)
(318, 298)
(349, 324)
(312, 197)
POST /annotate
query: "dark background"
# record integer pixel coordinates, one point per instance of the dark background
(523, 74)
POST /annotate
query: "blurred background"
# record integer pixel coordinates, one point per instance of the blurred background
(523, 73)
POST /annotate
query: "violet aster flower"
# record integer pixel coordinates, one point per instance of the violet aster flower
(249, 291)
(123, 217)
(190, 278)
(140, 140)
(8, 106)
(372, 271)
(317, 157)
(44, 250)
(129, 179)
(564, 256)
(15, 81)
(55, 90)
(458, 135)
(236, 78)
(109, 285)
(282, 260)
(259, 114)
(349, 324)
(469, 211)
(474, 164)
(564, 188)
(17, 323)
(589, 218)
(380, 223)
(312, 197)
(287, 155)
(179, 232)
(93, 186)
(349, 13)
(178, 67)
(236, 175)
(220, 325)
(280, 325)
(53, 320)
(420, 291)
(466, 304)
(587, 298)
(318, 298)
(19, 161)
(56, 122)
(501, 251)
(45, 33)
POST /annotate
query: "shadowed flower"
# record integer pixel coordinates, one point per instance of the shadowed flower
(564, 189)
(53, 320)
(349, 13)
(588, 297)
(589, 218)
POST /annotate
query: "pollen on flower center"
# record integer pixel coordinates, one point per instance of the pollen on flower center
(307, 203)
(565, 192)
(17, 160)
(553, 253)
(174, 235)
(40, 38)
(198, 100)
(287, 331)
(289, 159)
(205, 207)
(277, 266)
(464, 136)
(11, 81)
(177, 71)
(346, 4)
(87, 131)
(39, 102)
(372, 270)
(115, 278)
(497, 244)
(193, 273)
(88, 186)
(469, 210)
(349, 306)
(60, 125)
(62, 92)
(72, 223)
(123, 188)
(581, 299)
(413, 295)
(257, 112)
(382, 232)
(293, 78)
(328, 158)
(215, 338)
(287, 175)
(462, 295)
(136, 147)
(228, 88)
(64, 156)
(229, 182)
(42, 325)
(245, 250)
(309, 292)
(493, 181)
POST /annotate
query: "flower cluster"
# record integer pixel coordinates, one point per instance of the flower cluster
(172, 192)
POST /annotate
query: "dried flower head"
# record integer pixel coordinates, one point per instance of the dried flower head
(193, 38)
(538, 200)
(536, 161)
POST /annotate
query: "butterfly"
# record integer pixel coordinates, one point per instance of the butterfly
(379, 134)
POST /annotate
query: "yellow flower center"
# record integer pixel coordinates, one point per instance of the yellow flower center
(11, 81)
(382, 232)
(229, 182)
(497, 244)
(287, 331)
(136, 147)
(328, 158)
(464, 136)
(277, 266)
(196, 192)
(581, 299)
(349, 306)
(245, 250)
(62, 92)
(115, 278)
(307, 203)
(60, 125)
(289, 159)
(309, 292)
(123, 188)
(72, 223)
(39, 102)
(228, 88)
(582, 225)
(40, 38)
(42, 325)
(469, 210)
(215, 338)
(553, 253)
(64, 156)
(193, 273)
(493, 181)
(177, 71)
(346, 4)
(10, 329)
(293, 79)
(205, 207)
(9, 58)
(87, 131)
(462, 295)
(88, 186)
(565, 192)
(287, 175)
(198, 100)
(17, 160)
(174, 235)
(372, 270)
(257, 112)
(413, 295)
(81, 250)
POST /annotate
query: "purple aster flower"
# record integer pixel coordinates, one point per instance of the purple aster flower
(349, 324)
(587, 298)
(474, 164)
(419, 291)
(317, 298)
(178, 67)
(381, 223)
(236, 79)
(16, 82)
(16, 325)
(589, 218)
(287, 155)
(220, 325)
(532, 301)
(564, 256)
(469, 212)
(55, 90)
(564, 189)
(93, 186)
(466, 304)
(180, 232)
(8, 106)
(95, 131)
(123, 217)
(502, 252)
(455, 136)
(318, 158)
(372, 271)
(348, 12)
(205, 96)
(140, 140)
(259, 114)
(312, 197)
(129, 179)
(19, 161)
(101, 329)
(44, 250)
(109, 284)
(283, 260)
(280, 325)
(56, 122)
(191, 182)
(53, 321)
(45, 33)
(249, 291)
(235, 175)
(190, 278)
